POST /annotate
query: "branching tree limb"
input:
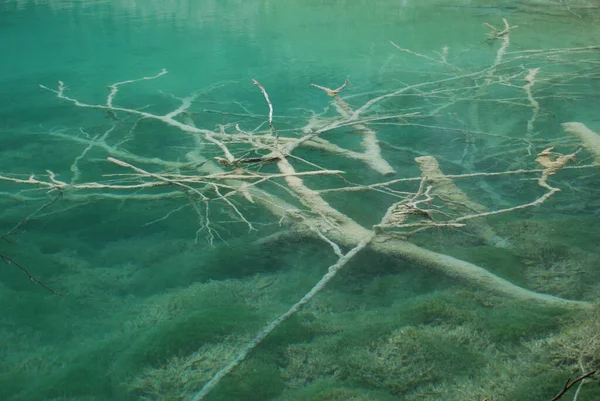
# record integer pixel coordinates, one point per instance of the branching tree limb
(230, 167)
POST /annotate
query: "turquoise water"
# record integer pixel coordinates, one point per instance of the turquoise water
(112, 293)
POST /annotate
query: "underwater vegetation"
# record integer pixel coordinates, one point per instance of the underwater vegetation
(428, 233)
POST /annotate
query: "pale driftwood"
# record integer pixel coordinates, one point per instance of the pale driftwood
(372, 150)
(455, 199)
(325, 221)
(589, 138)
(339, 229)
(344, 231)
(331, 272)
(306, 212)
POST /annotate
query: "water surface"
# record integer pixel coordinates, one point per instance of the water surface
(156, 305)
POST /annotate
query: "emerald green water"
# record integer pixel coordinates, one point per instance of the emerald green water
(147, 306)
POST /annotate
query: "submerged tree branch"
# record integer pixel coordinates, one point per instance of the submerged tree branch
(230, 160)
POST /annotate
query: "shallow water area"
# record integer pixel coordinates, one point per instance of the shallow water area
(154, 217)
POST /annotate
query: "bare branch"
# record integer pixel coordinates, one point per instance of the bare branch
(266, 95)
(569, 384)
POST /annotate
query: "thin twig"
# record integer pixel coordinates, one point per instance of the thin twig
(569, 384)
(14, 231)
(10, 261)
(266, 95)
